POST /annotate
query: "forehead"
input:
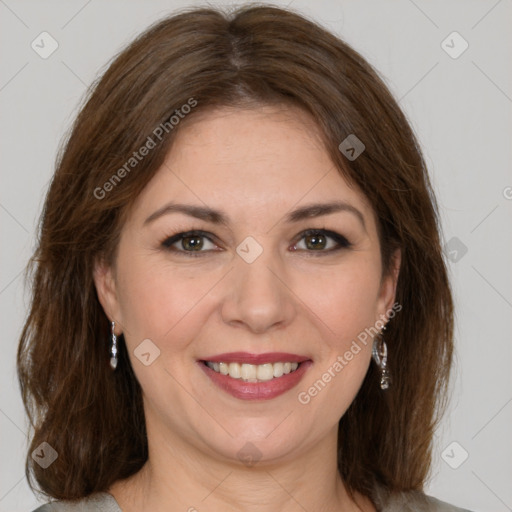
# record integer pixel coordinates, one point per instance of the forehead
(249, 162)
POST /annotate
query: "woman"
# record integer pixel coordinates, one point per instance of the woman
(239, 223)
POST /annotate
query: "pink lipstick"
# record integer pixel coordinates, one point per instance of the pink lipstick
(236, 372)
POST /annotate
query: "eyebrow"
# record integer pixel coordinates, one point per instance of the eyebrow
(217, 217)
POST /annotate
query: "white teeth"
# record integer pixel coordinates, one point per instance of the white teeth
(265, 371)
(234, 370)
(248, 371)
(278, 369)
(253, 372)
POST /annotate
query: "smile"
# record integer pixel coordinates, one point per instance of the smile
(253, 372)
(247, 381)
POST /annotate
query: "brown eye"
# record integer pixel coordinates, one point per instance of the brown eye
(190, 243)
(321, 241)
(315, 242)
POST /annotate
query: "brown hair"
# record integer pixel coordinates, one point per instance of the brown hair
(93, 417)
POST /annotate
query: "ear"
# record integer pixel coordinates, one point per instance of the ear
(388, 285)
(105, 283)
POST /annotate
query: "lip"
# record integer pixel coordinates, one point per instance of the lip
(257, 390)
(249, 358)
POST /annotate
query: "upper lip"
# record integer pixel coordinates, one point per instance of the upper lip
(248, 358)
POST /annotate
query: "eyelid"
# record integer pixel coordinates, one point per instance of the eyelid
(169, 241)
(342, 241)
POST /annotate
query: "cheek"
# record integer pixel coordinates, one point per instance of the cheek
(161, 306)
(345, 309)
(164, 304)
(344, 299)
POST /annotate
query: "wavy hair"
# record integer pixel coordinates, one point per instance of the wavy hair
(252, 56)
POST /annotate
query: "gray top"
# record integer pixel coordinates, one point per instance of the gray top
(98, 502)
(403, 502)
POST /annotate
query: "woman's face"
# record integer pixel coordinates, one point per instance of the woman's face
(252, 281)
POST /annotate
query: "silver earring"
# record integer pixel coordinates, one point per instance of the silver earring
(113, 348)
(380, 356)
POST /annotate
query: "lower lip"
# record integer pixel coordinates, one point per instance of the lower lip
(257, 390)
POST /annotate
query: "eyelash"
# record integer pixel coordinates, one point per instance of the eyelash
(342, 242)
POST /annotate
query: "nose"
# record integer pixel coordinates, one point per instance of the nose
(258, 296)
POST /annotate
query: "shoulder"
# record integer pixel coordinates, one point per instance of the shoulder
(97, 502)
(414, 501)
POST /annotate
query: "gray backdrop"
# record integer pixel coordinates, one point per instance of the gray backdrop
(459, 101)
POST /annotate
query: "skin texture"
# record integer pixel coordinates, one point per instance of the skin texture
(256, 165)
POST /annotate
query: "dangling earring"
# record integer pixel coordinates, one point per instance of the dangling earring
(380, 356)
(113, 348)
